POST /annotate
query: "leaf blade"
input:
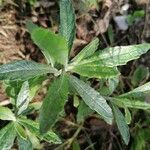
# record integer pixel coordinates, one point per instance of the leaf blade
(121, 123)
(7, 136)
(53, 104)
(23, 98)
(92, 98)
(86, 51)
(67, 21)
(131, 103)
(120, 55)
(33, 127)
(23, 70)
(53, 46)
(24, 144)
(6, 114)
(94, 70)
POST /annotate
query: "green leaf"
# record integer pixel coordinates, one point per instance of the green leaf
(23, 98)
(144, 89)
(83, 112)
(93, 69)
(131, 103)
(20, 130)
(67, 21)
(53, 46)
(141, 139)
(31, 26)
(24, 70)
(92, 98)
(107, 87)
(35, 84)
(127, 116)
(120, 55)
(121, 123)
(24, 144)
(34, 140)
(6, 114)
(33, 127)
(111, 34)
(54, 103)
(75, 145)
(139, 75)
(86, 51)
(7, 137)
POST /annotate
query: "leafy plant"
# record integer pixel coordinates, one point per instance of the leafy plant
(25, 130)
(89, 63)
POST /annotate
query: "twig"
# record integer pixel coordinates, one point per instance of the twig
(4, 103)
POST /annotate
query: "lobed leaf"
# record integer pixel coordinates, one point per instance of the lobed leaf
(7, 137)
(6, 114)
(121, 123)
(92, 98)
(67, 21)
(24, 70)
(54, 103)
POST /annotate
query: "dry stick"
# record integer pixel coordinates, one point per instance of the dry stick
(147, 16)
(70, 141)
(4, 103)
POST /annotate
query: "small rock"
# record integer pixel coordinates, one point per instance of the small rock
(121, 22)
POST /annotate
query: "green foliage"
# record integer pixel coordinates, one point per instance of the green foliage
(7, 136)
(107, 87)
(141, 139)
(137, 15)
(86, 51)
(83, 112)
(67, 21)
(33, 127)
(119, 55)
(93, 69)
(23, 98)
(6, 114)
(140, 74)
(92, 98)
(24, 78)
(54, 47)
(23, 70)
(137, 92)
(20, 130)
(24, 144)
(121, 123)
(53, 103)
(132, 103)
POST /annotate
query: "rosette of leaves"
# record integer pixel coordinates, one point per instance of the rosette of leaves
(90, 62)
(19, 128)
